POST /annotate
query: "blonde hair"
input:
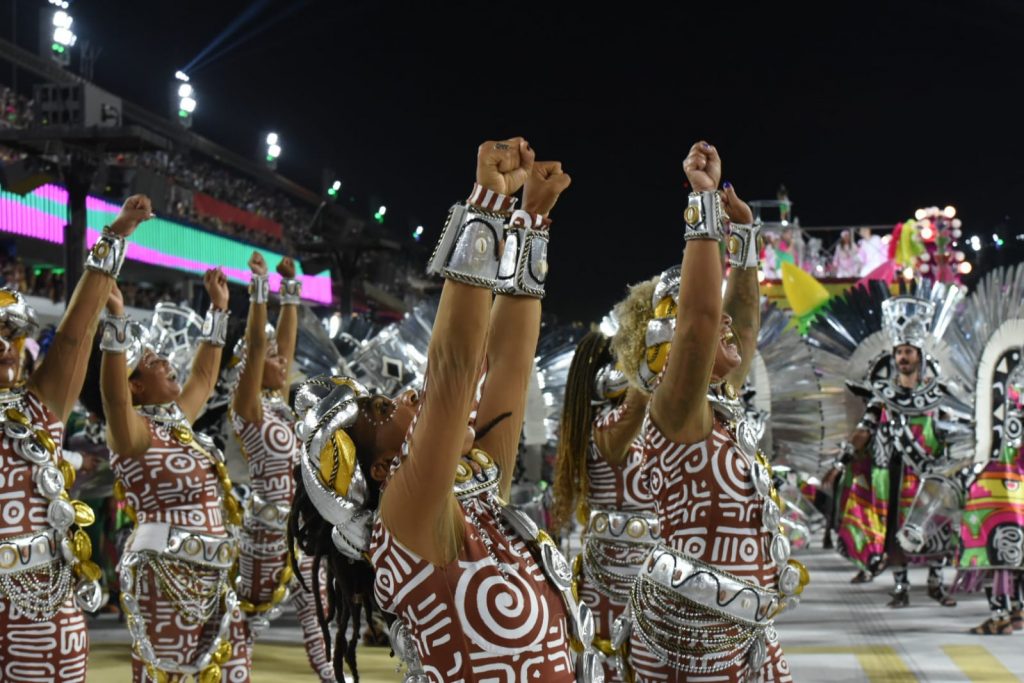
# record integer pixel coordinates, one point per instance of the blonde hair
(630, 341)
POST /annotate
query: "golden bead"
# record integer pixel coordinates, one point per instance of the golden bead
(130, 512)
(15, 415)
(544, 538)
(210, 674)
(119, 492)
(182, 434)
(46, 440)
(278, 595)
(223, 653)
(286, 575)
(89, 570)
(84, 516)
(82, 545)
(246, 606)
(69, 473)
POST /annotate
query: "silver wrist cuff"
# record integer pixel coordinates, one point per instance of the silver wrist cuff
(291, 292)
(744, 245)
(703, 217)
(107, 255)
(215, 327)
(116, 336)
(468, 250)
(259, 289)
(524, 265)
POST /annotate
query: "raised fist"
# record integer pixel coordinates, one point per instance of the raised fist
(546, 182)
(216, 283)
(257, 264)
(703, 167)
(286, 268)
(504, 165)
(136, 209)
(735, 208)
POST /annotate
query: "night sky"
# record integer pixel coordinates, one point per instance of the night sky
(865, 111)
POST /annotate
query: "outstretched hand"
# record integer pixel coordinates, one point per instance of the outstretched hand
(545, 184)
(504, 165)
(703, 167)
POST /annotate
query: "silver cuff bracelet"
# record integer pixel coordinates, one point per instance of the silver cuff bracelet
(291, 292)
(107, 255)
(215, 327)
(259, 289)
(116, 337)
(524, 265)
(703, 217)
(744, 245)
(469, 248)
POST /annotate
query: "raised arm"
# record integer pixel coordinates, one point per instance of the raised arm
(742, 300)
(416, 506)
(288, 316)
(127, 433)
(613, 439)
(246, 401)
(514, 329)
(58, 379)
(679, 405)
(203, 377)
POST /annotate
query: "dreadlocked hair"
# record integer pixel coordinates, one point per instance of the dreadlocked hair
(571, 482)
(349, 582)
(630, 341)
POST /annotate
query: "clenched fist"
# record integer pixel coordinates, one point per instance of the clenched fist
(257, 264)
(286, 268)
(503, 166)
(136, 209)
(216, 283)
(703, 167)
(546, 182)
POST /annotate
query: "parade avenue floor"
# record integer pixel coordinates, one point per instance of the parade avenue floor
(839, 633)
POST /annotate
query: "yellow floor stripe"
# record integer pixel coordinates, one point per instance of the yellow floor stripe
(978, 664)
(273, 664)
(881, 664)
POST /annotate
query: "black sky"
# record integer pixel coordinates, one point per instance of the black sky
(866, 111)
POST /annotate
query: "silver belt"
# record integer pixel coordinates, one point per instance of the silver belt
(29, 551)
(269, 514)
(623, 526)
(705, 586)
(181, 544)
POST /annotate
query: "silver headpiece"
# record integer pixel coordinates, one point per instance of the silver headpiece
(230, 376)
(908, 320)
(17, 314)
(175, 334)
(326, 406)
(661, 328)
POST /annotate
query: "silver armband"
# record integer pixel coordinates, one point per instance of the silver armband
(291, 292)
(468, 250)
(524, 264)
(116, 334)
(259, 289)
(107, 255)
(703, 217)
(744, 245)
(215, 327)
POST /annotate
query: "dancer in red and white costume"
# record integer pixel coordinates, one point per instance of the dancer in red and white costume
(265, 426)
(704, 600)
(180, 607)
(44, 555)
(477, 590)
(598, 476)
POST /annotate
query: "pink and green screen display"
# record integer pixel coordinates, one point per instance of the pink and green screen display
(42, 215)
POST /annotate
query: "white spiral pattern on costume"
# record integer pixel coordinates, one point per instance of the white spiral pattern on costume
(732, 474)
(500, 614)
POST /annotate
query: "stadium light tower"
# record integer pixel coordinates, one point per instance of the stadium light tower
(62, 38)
(379, 216)
(273, 149)
(186, 97)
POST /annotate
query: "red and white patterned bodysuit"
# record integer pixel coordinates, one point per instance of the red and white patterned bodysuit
(609, 566)
(709, 511)
(48, 647)
(272, 451)
(181, 602)
(471, 621)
